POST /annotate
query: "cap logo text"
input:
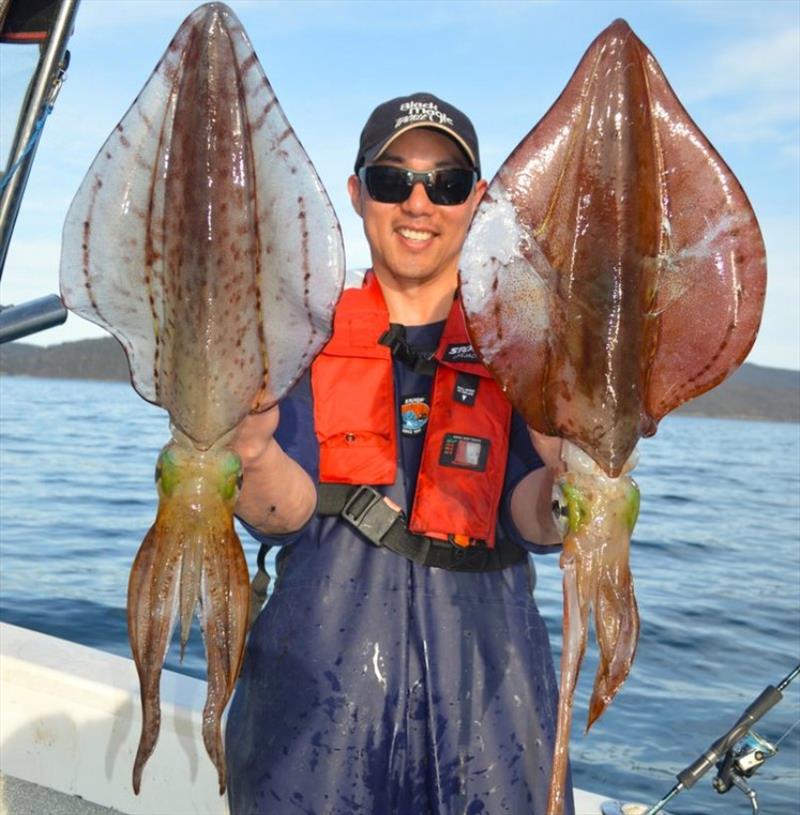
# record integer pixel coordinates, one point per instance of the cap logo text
(421, 112)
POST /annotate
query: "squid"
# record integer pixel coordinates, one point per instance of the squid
(614, 270)
(204, 241)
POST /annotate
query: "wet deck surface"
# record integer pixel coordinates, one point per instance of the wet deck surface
(18, 797)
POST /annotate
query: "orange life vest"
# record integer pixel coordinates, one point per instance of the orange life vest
(464, 454)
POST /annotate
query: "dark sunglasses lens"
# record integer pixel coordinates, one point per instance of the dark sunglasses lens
(387, 185)
(451, 187)
(392, 185)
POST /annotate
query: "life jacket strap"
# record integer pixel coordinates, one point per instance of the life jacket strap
(366, 510)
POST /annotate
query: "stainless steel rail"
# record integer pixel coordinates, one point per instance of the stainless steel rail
(42, 92)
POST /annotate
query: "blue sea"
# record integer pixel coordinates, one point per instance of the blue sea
(716, 558)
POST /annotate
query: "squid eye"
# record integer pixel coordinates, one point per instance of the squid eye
(560, 511)
(232, 476)
(570, 508)
(168, 471)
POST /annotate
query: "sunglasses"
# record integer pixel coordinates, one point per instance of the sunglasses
(393, 185)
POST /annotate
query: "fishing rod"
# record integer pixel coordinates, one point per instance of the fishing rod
(737, 755)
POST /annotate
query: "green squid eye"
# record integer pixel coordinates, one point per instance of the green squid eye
(167, 471)
(569, 508)
(232, 476)
(560, 511)
(632, 505)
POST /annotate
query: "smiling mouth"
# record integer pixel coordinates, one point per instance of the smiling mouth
(415, 234)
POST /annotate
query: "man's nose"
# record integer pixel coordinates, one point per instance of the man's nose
(418, 202)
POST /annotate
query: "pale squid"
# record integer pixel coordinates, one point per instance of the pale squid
(614, 270)
(203, 240)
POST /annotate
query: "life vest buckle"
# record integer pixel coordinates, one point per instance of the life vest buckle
(367, 511)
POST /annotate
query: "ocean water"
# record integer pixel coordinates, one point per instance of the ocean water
(716, 558)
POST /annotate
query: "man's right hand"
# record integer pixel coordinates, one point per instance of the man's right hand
(277, 494)
(254, 434)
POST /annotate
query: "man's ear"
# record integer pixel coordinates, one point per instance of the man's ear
(354, 190)
(480, 189)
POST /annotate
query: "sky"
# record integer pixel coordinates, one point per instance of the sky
(735, 65)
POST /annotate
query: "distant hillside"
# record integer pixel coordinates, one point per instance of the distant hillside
(753, 392)
(85, 359)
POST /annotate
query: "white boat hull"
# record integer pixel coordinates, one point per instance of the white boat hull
(70, 721)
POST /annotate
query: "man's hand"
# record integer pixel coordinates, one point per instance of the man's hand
(277, 494)
(549, 450)
(531, 501)
(254, 435)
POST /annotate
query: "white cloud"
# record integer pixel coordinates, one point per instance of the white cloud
(749, 89)
(103, 15)
(767, 63)
(314, 15)
(792, 151)
(778, 343)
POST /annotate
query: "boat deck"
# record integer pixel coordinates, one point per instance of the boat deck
(18, 797)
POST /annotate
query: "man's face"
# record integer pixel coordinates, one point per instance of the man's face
(415, 240)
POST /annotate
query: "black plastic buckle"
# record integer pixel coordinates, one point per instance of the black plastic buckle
(370, 514)
(419, 361)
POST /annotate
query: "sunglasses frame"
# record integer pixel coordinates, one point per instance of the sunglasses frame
(427, 178)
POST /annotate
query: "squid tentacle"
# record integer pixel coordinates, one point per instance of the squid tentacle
(152, 609)
(617, 627)
(224, 614)
(576, 627)
(190, 559)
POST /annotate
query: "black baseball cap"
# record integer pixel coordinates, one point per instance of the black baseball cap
(397, 116)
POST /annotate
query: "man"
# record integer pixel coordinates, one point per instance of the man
(400, 666)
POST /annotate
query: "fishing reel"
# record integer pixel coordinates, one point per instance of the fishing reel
(740, 762)
(736, 755)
